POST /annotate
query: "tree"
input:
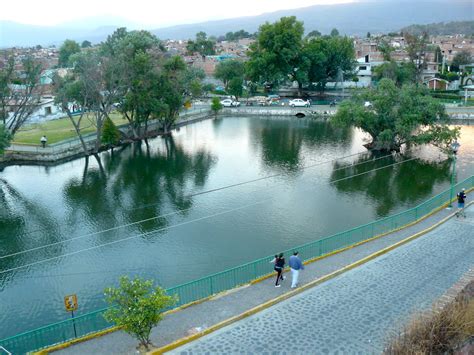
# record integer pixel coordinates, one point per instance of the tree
(5, 138)
(276, 55)
(67, 49)
(400, 73)
(368, 35)
(19, 93)
(461, 58)
(201, 45)
(438, 55)
(86, 44)
(417, 48)
(110, 133)
(386, 49)
(314, 33)
(334, 32)
(395, 116)
(329, 57)
(236, 87)
(216, 105)
(229, 69)
(92, 86)
(137, 307)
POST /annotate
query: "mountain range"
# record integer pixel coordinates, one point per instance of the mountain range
(358, 18)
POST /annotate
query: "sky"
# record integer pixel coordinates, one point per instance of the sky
(145, 13)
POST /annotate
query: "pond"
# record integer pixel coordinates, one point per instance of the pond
(214, 195)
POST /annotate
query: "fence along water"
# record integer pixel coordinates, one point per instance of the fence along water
(195, 290)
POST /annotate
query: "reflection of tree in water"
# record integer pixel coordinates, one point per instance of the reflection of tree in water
(282, 140)
(17, 215)
(389, 187)
(138, 184)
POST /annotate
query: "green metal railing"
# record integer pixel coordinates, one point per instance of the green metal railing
(228, 279)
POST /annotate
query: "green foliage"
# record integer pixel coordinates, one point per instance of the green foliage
(235, 36)
(207, 88)
(461, 58)
(397, 116)
(110, 133)
(328, 58)
(228, 70)
(442, 28)
(137, 307)
(334, 32)
(201, 45)
(216, 105)
(86, 44)
(67, 49)
(314, 33)
(400, 73)
(5, 138)
(386, 49)
(368, 35)
(276, 54)
(236, 87)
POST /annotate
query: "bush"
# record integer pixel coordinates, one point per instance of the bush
(445, 96)
(439, 332)
(110, 133)
(216, 105)
(5, 138)
(137, 307)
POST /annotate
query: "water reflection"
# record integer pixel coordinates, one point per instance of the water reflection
(281, 142)
(136, 184)
(388, 188)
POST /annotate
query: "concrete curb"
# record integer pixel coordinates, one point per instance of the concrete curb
(263, 306)
(260, 279)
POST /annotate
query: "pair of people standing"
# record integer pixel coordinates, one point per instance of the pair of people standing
(295, 264)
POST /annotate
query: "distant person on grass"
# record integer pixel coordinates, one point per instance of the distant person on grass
(279, 262)
(295, 265)
(43, 141)
(461, 200)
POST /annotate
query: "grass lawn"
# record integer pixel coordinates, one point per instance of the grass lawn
(58, 130)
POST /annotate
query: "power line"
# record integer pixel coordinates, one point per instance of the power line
(184, 210)
(186, 222)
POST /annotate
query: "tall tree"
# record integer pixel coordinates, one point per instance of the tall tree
(329, 57)
(417, 47)
(334, 32)
(90, 87)
(201, 45)
(276, 55)
(397, 116)
(229, 69)
(461, 58)
(386, 49)
(400, 73)
(86, 44)
(20, 92)
(67, 49)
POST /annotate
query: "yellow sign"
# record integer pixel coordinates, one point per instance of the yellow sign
(70, 302)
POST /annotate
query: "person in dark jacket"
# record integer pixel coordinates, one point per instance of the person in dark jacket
(279, 266)
(461, 200)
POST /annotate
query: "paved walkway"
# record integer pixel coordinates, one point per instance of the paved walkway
(342, 305)
(355, 312)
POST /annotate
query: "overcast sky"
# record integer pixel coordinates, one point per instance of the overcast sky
(147, 13)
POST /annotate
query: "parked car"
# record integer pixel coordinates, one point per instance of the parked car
(230, 103)
(299, 103)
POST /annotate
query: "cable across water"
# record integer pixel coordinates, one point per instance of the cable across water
(187, 209)
(187, 222)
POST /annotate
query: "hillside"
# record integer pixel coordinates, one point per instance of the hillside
(356, 18)
(441, 28)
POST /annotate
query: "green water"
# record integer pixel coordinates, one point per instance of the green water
(157, 210)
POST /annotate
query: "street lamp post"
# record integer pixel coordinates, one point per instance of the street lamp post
(454, 147)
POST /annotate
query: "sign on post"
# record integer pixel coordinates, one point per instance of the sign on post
(70, 302)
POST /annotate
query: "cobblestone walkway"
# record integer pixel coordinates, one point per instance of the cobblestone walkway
(358, 310)
(206, 314)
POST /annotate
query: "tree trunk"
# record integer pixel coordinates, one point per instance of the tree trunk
(78, 130)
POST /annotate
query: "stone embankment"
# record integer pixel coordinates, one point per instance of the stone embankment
(72, 148)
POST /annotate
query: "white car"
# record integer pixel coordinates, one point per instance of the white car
(299, 103)
(230, 103)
